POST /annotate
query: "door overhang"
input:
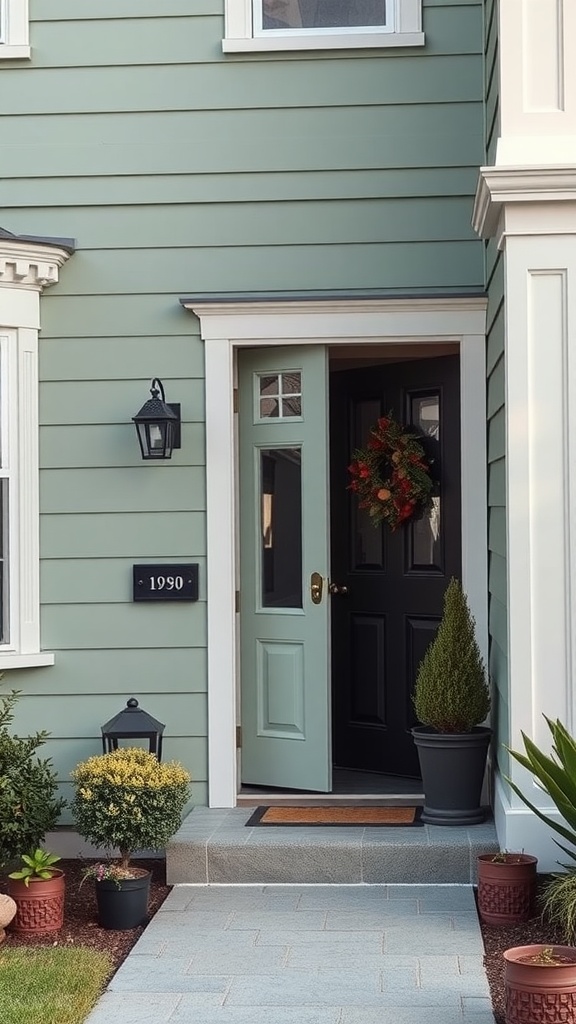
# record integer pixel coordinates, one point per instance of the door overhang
(226, 326)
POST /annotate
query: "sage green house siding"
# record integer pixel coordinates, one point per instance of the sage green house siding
(179, 169)
(497, 570)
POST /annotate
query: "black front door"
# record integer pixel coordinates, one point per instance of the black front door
(391, 583)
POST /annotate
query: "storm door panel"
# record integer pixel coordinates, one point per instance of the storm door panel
(283, 483)
(389, 584)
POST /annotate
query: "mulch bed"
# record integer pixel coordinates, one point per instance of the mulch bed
(80, 916)
(81, 928)
(498, 938)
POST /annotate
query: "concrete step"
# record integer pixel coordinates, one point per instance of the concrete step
(214, 845)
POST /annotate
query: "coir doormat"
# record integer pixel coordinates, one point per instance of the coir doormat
(367, 816)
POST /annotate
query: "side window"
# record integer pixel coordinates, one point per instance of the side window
(14, 34)
(28, 265)
(321, 24)
(6, 470)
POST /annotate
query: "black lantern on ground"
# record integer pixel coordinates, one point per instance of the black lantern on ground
(158, 424)
(133, 723)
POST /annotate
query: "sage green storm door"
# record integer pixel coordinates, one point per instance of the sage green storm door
(284, 544)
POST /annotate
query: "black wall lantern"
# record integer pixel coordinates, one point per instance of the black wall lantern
(158, 425)
(133, 723)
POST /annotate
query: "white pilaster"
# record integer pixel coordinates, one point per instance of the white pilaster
(537, 82)
(539, 242)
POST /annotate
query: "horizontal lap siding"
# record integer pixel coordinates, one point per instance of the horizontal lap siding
(498, 592)
(180, 170)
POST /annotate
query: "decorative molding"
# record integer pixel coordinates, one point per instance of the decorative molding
(498, 186)
(537, 82)
(339, 320)
(29, 265)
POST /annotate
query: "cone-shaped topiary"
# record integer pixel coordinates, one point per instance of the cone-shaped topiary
(452, 693)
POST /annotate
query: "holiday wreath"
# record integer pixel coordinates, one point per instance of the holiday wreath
(391, 475)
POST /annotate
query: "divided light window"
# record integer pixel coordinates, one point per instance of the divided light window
(298, 16)
(5, 469)
(266, 25)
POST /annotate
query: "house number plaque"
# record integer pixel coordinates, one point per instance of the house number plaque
(165, 582)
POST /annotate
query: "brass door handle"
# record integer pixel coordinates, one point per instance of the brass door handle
(337, 588)
(316, 587)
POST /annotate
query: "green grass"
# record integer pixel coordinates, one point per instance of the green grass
(50, 986)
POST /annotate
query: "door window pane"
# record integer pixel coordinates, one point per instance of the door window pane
(303, 14)
(367, 539)
(425, 532)
(281, 527)
(280, 395)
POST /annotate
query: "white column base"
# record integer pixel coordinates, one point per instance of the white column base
(520, 830)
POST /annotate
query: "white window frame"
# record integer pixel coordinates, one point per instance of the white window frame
(25, 269)
(242, 34)
(14, 30)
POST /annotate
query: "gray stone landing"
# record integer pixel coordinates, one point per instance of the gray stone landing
(214, 845)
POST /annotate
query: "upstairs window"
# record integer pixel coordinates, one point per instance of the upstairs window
(321, 24)
(14, 39)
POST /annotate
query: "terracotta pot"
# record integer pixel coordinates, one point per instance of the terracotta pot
(40, 904)
(506, 887)
(540, 988)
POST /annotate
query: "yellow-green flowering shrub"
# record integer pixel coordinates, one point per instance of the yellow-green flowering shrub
(129, 800)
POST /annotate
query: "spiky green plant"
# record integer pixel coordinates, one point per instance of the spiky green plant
(558, 904)
(556, 773)
(452, 692)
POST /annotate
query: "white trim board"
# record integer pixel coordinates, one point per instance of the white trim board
(227, 326)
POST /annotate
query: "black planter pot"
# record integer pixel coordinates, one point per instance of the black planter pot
(452, 766)
(123, 904)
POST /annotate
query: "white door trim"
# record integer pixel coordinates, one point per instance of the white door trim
(226, 326)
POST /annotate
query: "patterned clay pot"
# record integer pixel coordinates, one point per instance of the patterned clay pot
(506, 887)
(40, 904)
(540, 984)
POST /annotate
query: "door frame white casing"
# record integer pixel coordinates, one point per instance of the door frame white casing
(227, 326)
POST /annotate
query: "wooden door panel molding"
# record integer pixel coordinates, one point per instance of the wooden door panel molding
(280, 689)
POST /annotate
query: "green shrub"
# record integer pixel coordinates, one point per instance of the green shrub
(129, 800)
(28, 804)
(452, 693)
(558, 904)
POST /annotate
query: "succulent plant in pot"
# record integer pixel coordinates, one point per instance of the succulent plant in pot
(451, 701)
(38, 890)
(127, 800)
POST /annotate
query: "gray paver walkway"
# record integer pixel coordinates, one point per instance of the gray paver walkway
(316, 954)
